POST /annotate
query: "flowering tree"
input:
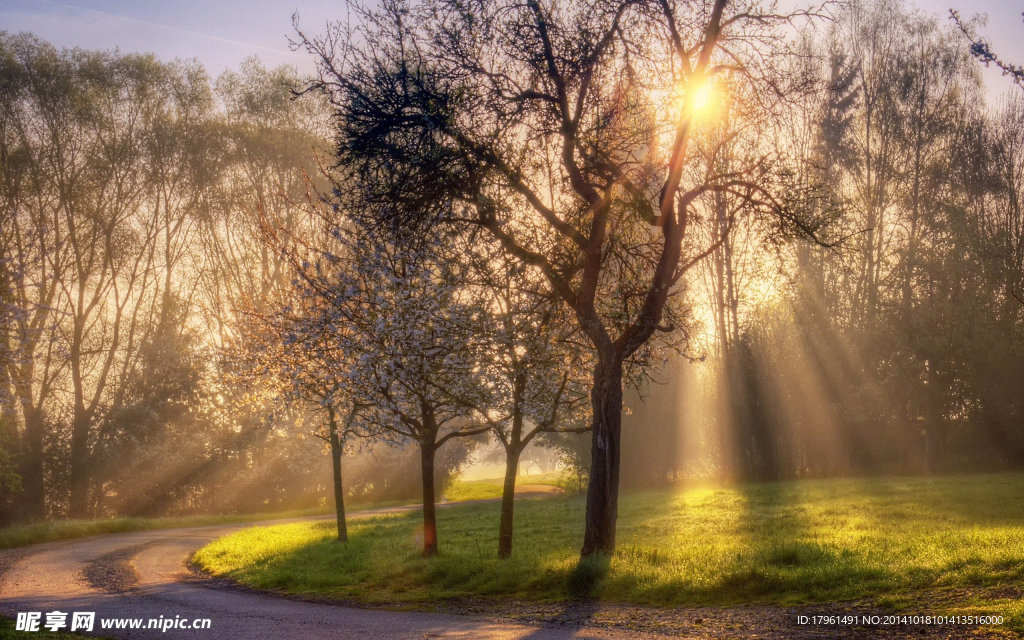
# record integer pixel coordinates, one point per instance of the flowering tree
(315, 370)
(290, 341)
(981, 50)
(403, 321)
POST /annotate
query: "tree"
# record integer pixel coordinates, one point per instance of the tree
(528, 359)
(310, 356)
(981, 50)
(564, 131)
(36, 120)
(403, 324)
(152, 424)
(75, 126)
(130, 207)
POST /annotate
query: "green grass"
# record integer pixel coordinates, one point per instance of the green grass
(490, 488)
(786, 543)
(50, 530)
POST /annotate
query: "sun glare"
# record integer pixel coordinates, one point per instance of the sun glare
(695, 100)
(701, 98)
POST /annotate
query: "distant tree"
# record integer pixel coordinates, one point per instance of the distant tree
(131, 213)
(982, 50)
(154, 424)
(35, 122)
(75, 127)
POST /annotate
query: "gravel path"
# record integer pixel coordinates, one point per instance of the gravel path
(145, 575)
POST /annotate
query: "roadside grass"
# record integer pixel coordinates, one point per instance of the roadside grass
(787, 543)
(490, 488)
(7, 631)
(52, 530)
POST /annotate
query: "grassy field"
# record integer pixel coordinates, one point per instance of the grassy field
(787, 543)
(49, 531)
(490, 489)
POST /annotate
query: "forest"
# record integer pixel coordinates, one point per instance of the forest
(214, 292)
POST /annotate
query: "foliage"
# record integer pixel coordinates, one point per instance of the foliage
(126, 187)
(539, 124)
(190, 285)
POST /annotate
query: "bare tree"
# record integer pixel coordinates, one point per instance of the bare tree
(982, 50)
(564, 131)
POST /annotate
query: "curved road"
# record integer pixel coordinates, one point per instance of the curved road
(52, 577)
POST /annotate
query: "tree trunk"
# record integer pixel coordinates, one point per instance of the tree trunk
(80, 472)
(508, 502)
(339, 493)
(603, 489)
(32, 500)
(429, 508)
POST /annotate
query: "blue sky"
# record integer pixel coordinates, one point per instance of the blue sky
(221, 33)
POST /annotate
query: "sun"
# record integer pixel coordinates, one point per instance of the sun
(701, 99)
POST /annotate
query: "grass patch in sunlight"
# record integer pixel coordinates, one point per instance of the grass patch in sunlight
(52, 530)
(490, 488)
(786, 543)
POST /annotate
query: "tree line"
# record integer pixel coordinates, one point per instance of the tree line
(900, 350)
(133, 192)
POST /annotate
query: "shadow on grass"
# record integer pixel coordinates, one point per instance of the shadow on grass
(786, 543)
(586, 577)
(772, 556)
(792, 550)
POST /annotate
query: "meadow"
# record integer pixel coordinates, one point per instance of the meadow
(893, 542)
(490, 488)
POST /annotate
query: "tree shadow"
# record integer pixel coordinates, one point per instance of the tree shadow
(585, 579)
(569, 620)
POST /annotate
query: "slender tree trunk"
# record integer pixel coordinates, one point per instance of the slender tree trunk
(603, 490)
(508, 502)
(80, 472)
(339, 493)
(429, 508)
(32, 499)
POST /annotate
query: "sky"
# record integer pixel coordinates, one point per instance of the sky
(222, 33)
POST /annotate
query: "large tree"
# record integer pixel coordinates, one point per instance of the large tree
(564, 130)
